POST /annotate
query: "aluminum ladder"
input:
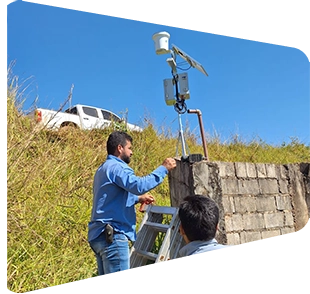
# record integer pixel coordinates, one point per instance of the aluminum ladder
(160, 224)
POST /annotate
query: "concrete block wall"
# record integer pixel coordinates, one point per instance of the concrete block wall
(256, 201)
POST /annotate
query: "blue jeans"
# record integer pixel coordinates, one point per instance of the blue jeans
(111, 257)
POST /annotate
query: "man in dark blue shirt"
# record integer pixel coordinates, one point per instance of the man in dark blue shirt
(116, 190)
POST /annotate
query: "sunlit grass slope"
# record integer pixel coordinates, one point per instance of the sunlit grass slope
(49, 189)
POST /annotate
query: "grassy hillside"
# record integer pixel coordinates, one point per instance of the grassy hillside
(49, 190)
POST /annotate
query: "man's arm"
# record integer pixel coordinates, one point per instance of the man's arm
(125, 177)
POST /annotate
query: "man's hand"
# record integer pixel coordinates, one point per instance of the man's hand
(146, 199)
(169, 163)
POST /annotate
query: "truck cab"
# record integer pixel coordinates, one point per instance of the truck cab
(93, 117)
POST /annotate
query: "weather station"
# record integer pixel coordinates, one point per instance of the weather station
(176, 90)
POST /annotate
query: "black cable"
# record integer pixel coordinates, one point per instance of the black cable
(185, 69)
(180, 107)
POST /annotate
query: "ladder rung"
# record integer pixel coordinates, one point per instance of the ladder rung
(163, 209)
(158, 226)
(146, 236)
(149, 255)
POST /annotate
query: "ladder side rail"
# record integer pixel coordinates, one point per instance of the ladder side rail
(164, 253)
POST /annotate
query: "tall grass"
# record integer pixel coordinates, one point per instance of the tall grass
(49, 189)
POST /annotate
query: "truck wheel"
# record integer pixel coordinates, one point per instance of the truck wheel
(67, 127)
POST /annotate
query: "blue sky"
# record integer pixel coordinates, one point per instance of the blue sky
(254, 89)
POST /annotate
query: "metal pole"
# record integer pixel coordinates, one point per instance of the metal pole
(202, 132)
(182, 136)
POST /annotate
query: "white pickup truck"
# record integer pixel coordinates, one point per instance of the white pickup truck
(81, 116)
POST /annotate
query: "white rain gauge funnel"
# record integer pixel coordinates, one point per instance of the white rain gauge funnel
(161, 40)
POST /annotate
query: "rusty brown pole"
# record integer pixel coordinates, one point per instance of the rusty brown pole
(202, 132)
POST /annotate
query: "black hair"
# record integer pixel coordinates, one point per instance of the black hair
(117, 138)
(199, 216)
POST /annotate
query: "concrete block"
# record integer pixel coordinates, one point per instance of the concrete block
(268, 186)
(201, 175)
(244, 204)
(228, 204)
(283, 202)
(240, 169)
(226, 169)
(237, 222)
(253, 221)
(233, 239)
(233, 223)
(288, 218)
(228, 223)
(282, 172)
(283, 186)
(261, 170)
(269, 234)
(248, 187)
(250, 236)
(251, 170)
(274, 220)
(271, 171)
(230, 186)
(264, 204)
(287, 230)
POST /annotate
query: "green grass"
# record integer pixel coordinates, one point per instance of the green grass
(49, 189)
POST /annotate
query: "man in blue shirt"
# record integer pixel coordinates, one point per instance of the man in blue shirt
(116, 190)
(199, 217)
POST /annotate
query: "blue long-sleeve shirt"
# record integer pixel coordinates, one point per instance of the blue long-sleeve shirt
(115, 193)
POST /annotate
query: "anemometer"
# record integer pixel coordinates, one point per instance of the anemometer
(176, 89)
